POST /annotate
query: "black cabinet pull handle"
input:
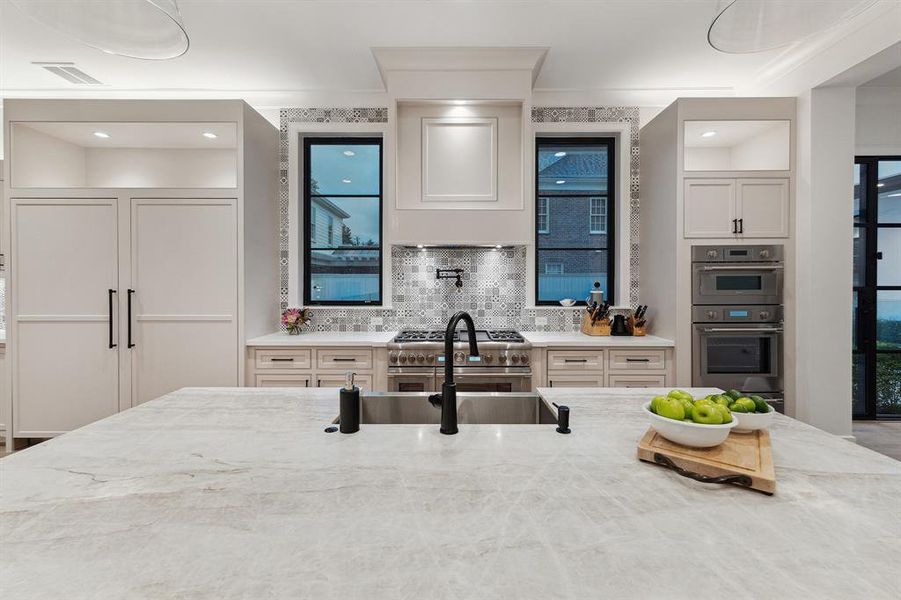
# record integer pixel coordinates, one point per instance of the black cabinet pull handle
(575, 360)
(642, 360)
(734, 225)
(741, 226)
(109, 297)
(276, 359)
(344, 360)
(131, 293)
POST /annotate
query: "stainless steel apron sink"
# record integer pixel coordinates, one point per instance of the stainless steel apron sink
(496, 408)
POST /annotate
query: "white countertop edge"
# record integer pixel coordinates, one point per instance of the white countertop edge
(374, 339)
(540, 339)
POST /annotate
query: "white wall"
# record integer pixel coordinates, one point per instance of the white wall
(878, 117)
(42, 160)
(822, 350)
(160, 167)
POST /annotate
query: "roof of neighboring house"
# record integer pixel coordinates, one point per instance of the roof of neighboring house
(578, 165)
(330, 206)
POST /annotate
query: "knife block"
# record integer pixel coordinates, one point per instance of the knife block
(601, 327)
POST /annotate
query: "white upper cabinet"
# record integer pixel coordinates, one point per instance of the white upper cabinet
(709, 208)
(123, 155)
(737, 145)
(741, 208)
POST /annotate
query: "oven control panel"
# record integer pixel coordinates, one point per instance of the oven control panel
(737, 254)
(762, 313)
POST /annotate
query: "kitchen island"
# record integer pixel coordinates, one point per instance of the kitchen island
(239, 493)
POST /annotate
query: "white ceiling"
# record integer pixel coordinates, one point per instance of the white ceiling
(281, 52)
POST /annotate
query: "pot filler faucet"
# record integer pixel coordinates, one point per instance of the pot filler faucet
(448, 395)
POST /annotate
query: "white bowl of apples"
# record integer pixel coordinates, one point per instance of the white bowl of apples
(705, 428)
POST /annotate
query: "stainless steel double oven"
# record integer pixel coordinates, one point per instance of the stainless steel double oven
(737, 317)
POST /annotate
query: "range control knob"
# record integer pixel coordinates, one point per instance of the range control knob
(392, 357)
(524, 359)
(764, 254)
(459, 357)
(502, 358)
(711, 314)
(420, 358)
(515, 359)
(402, 358)
(430, 358)
(488, 358)
(764, 315)
(711, 254)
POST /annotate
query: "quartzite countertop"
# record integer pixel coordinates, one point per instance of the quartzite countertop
(238, 493)
(576, 338)
(376, 339)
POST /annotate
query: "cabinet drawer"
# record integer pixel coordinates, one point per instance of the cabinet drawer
(282, 358)
(344, 359)
(636, 381)
(364, 382)
(575, 381)
(575, 360)
(270, 380)
(637, 360)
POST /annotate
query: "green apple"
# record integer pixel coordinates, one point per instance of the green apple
(727, 414)
(747, 403)
(738, 407)
(655, 402)
(680, 394)
(687, 406)
(734, 394)
(724, 401)
(707, 414)
(704, 402)
(671, 408)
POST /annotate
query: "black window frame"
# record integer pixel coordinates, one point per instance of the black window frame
(307, 212)
(610, 143)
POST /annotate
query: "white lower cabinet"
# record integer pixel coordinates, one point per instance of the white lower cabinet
(574, 381)
(636, 381)
(323, 367)
(117, 301)
(291, 380)
(606, 367)
(333, 380)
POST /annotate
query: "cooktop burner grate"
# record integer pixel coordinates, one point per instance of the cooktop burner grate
(482, 335)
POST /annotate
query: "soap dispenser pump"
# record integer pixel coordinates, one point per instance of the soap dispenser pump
(349, 421)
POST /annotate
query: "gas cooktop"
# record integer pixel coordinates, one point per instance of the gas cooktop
(482, 335)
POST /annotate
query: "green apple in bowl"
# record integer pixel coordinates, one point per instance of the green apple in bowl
(707, 415)
(671, 408)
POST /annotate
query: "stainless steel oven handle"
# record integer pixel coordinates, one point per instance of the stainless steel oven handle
(742, 329)
(743, 267)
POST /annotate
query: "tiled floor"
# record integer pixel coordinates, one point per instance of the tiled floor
(882, 436)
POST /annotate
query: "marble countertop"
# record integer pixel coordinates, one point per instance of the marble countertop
(238, 493)
(325, 338)
(576, 338)
(380, 339)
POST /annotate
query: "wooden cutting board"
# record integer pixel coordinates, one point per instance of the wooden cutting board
(745, 459)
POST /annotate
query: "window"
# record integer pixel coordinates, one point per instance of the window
(342, 183)
(543, 224)
(597, 216)
(553, 268)
(574, 177)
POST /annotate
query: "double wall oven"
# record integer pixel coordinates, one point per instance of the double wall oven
(737, 319)
(416, 362)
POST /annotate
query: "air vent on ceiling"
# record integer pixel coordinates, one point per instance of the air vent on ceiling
(69, 72)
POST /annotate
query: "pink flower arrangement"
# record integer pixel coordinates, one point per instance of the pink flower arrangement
(295, 318)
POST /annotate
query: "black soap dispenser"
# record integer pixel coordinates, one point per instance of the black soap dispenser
(349, 421)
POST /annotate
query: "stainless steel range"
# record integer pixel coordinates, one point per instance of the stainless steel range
(416, 362)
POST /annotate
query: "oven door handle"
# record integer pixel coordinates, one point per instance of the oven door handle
(743, 268)
(742, 329)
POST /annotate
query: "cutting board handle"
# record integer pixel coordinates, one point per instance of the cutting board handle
(665, 461)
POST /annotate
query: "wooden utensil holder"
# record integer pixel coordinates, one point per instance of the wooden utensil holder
(637, 330)
(600, 327)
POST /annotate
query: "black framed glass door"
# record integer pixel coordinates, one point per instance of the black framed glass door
(876, 332)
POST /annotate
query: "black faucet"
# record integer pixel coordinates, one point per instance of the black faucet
(448, 395)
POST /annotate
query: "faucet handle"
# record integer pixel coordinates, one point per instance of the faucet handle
(435, 399)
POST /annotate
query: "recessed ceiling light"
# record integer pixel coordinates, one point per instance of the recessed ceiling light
(458, 102)
(498, 246)
(561, 181)
(880, 185)
(210, 135)
(101, 134)
(559, 154)
(349, 153)
(345, 180)
(708, 134)
(419, 245)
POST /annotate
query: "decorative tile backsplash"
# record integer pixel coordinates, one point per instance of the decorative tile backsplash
(494, 289)
(493, 292)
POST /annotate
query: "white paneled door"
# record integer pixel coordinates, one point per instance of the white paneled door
(183, 298)
(709, 208)
(65, 270)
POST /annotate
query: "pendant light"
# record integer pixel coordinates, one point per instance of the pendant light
(149, 29)
(743, 26)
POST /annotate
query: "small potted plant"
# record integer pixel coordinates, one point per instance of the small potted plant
(294, 319)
